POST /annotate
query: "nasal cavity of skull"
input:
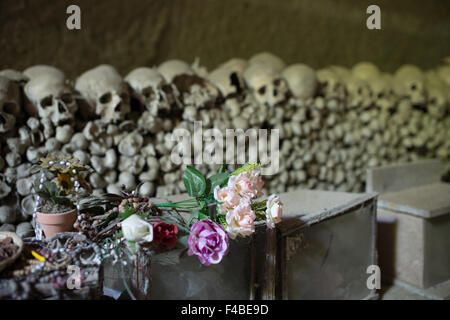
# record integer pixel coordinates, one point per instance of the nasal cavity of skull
(9, 107)
(105, 98)
(47, 101)
(62, 107)
(118, 107)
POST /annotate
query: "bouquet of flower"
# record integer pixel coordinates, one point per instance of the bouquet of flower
(222, 206)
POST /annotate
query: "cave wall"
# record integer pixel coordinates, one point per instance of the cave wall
(133, 33)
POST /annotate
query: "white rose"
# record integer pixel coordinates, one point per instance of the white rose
(137, 229)
(274, 211)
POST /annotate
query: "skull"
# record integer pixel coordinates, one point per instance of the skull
(9, 104)
(366, 71)
(235, 65)
(359, 94)
(444, 73)
(302, 81)
(105, 92)
(437, 104)
(151, 89)
(409, 82)
(229, 83)
(330, 84)
(383, 93)
(14, 75)
(39, 70)
(50, 98)
(266, 85)
(268, 59)
(194, 90)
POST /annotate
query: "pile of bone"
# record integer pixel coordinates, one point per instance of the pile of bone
(333, 122)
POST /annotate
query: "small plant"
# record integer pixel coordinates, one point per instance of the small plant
(60, 181)
(53, 199)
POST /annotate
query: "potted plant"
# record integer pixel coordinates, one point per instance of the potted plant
(57, 194)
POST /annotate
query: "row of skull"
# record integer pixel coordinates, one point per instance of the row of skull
(264, 79)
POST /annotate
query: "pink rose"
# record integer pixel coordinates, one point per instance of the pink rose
(208, 241)
(274, 211)
(228, 199)
(247, 184)
(241, 219)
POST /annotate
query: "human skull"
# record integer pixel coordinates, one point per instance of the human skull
(383, 93)
(268, 59)
(366, 71)
(194, 90)
(40, 70)
(50, 98)
(330, 85)
(151, 89)
(359, 94)
(437, 104)
(409, 82)
(9, 103)
(105, 92)
(235, 65)
(230, 83)
(444, 73)
(14, 75)
(302, 80)
(266, 84)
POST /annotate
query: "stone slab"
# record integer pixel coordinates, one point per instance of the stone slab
(426, 201)
(404, 175)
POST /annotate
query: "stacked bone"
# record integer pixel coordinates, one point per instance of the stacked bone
(333, 123)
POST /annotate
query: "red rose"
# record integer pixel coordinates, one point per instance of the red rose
(165, 234)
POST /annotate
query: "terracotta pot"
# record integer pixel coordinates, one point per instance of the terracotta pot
(53, 223)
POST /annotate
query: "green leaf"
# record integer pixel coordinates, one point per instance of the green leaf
(132, 246)
(223, 168)
(202, 216)
(194, 182)
(128, 212)
(219, 179)
(246, 167)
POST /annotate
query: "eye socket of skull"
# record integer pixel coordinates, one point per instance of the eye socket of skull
(47, 101)
(413, 87)
(124, 96)
(105, 98)
(148, 93)
(167, 89)
(276, 82)
(380, 95)
(9, 107)
(262, 90)
(67, 98)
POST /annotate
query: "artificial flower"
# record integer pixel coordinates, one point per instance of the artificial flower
(241, 219)
(64, 183)
(227, 197)
(247, 184)
(136, 229)
(274, 211)
(165, 234)
(208, 241)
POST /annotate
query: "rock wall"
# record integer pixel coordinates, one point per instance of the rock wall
(134, 33)
(333, 122)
